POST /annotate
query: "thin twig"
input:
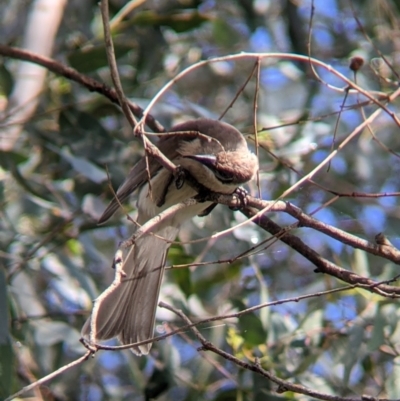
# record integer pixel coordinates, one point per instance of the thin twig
(283, 385)
(255, 107)
(223, 317)
(283, 56)
(137, 127)
(241, 89)
(323, 265)
(68, 72)
(49, 377)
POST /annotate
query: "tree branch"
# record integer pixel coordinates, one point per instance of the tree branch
(283, 385)
(252, 211)
(89, 83)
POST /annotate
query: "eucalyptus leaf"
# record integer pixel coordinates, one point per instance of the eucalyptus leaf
(49, 333)
(94, 57)
(7, 369)
(4, 318)
(84, 166)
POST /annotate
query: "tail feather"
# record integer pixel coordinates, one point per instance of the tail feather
(129, 311)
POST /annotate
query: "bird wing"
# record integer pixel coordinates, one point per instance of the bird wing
(138, 175)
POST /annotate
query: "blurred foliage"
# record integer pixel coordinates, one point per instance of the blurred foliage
(54, 185)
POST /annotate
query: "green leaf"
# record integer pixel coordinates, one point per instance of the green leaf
(182, 278)
(220, 275)
(224, 34)
(158, 383)
(235, 394)
(6, 369)
(377, 336)
(360, 264)
(351, 354)
(179, 21)
(6, 352)
(4, 323)
(50, 333)
(392, 384)
(92, 58)
(74, 246)
(178, 256)
(234, 339)
(11, 158)
(312, 326)
(263, 390)
(6, 81)
(250, 326)
(84, 134)
(280, 326)
(84, 167)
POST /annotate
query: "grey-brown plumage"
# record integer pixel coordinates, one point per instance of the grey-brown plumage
(218, 160)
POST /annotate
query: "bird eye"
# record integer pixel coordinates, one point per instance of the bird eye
(210, 161)
(223, 176)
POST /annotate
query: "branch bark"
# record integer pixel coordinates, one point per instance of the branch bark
(89, 83)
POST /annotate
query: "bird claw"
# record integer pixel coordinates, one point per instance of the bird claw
(240, 194)
(118, 263)
(180, 177)
(208, 210)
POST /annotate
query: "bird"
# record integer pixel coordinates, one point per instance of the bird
(215, 156)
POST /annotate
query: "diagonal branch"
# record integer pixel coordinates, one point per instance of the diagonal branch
(89, 83)
(252, 211)
(283, 385)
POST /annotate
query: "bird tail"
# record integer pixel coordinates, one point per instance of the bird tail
(128, 312)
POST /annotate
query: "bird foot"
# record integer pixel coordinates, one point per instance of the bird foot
(240, 194)
(180, 177)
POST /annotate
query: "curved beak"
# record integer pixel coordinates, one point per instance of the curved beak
(207, 160)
